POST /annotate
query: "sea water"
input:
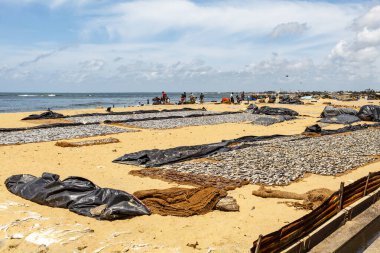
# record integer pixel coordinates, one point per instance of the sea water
(27, 101)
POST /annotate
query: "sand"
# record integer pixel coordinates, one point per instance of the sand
(214, 232)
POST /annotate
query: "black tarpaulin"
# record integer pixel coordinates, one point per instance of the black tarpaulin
(340, 119)
(331, 111)
(275, 111)
(45, 115)
(157, 157)
(317, 129)
(369, 113)
(77, 194)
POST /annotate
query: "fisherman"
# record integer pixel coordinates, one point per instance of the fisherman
(164, 98)
(237, 99)
(232, 98)
(201, 97)
(183, 98)
(242, 96)
(192, 98)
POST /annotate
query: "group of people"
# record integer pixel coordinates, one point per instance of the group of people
(192, 98)
(238, 97)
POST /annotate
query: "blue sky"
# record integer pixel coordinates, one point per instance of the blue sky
(176, 45)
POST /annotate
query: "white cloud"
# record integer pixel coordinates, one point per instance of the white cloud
(221, 45)
(289, 29)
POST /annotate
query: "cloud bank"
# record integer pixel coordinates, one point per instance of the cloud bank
(209, 45)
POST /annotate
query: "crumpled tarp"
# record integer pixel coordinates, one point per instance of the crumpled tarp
(290, 101)
(54, 115)
(275, 111)
(77, 194)
(270, 120)
(369, 113)
(182, 202)
(340, 119)
(318, 130)
(331, 111)
(157, 157)
(45, 115)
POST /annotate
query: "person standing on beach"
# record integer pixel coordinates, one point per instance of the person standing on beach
(164, 98)
(242, 96)
(232, 98)
(201, 97)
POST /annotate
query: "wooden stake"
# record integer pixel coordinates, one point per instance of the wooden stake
(257, 250)
(341, 196)
(366, 184)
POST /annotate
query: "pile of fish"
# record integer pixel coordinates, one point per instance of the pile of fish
(57, 133)
(281, 161)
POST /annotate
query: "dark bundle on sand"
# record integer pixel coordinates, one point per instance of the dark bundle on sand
(290, 101)
(331, 111)
(274, 111)
(270, 120)
(370, 113)
(45, 115)
(345, 119)
(77, 194)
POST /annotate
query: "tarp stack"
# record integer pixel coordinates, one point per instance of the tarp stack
(291, 101)
(334, 115)
(370, 113)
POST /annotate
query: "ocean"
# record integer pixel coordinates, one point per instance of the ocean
(22, 102)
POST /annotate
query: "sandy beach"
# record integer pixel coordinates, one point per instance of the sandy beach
(214, 232)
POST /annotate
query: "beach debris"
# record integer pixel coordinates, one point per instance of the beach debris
(77, 194)
(17, 236)
(51, 236)
(227, 204)
(182, 202)
(87, 143)
(192, 245)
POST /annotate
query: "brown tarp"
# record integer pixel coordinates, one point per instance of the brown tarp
(190, 179)
(181, 201)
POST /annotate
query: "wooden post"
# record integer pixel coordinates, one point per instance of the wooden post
(366, 184)
(257, 250)
(341, 196)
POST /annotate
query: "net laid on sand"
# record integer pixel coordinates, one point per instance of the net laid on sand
(190, 179)
(181, 201)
